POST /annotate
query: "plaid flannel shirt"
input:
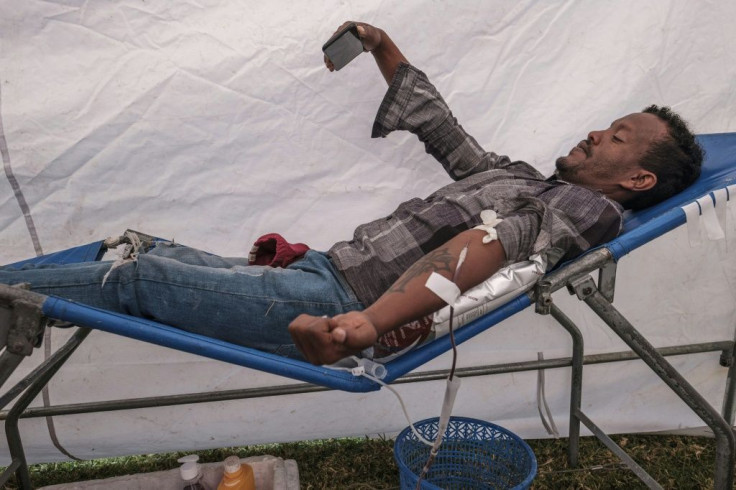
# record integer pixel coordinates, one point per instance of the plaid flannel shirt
(545, 216)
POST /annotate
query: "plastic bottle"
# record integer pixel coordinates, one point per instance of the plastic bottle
(237, 476)
(191, 473)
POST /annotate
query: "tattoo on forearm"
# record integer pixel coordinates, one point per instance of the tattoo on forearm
(436, 261)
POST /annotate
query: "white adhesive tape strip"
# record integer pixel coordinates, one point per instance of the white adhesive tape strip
(731, 205)
(721, 197)
(443, 287)
(713, 229)
(692, 214)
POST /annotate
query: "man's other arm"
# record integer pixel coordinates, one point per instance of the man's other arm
(327, 340)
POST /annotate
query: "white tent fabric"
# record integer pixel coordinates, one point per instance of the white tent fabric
(213, 122)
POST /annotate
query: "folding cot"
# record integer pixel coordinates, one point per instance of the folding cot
(23, 319)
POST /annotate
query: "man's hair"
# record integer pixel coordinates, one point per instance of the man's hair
(675, 160)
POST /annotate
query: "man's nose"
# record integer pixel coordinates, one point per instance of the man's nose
(594, 137)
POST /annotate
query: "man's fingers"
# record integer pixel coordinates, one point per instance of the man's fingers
(327, 340)
(342, 26)
(352, 332)
(314, 337)
(339, 335)
(303, 330)
(328, 63)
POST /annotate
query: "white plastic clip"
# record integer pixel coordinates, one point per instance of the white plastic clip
(490, 220)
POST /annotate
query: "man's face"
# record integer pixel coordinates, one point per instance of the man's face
(609, 158)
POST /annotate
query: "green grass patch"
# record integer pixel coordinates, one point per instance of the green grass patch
(362, 463)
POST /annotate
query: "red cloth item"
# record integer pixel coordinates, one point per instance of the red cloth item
(273, 250)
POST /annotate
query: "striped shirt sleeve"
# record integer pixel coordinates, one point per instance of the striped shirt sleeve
(413, 104)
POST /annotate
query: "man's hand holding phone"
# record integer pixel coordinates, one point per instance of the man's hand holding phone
(343, 46)
(352, 38)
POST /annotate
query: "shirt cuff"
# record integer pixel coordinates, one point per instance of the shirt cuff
(395, 101)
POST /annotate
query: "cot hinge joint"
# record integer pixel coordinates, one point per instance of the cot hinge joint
(582, 286)
(543, 293)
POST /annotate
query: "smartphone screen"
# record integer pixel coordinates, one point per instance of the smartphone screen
(343, 47)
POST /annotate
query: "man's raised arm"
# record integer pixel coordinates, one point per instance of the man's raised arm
(413, 104)
(327, 340)
(385, 52)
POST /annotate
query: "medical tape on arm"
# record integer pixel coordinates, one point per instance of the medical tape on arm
(443, 287)
(490, 219)
(449, 293)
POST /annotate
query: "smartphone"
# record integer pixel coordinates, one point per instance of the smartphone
(344, 46)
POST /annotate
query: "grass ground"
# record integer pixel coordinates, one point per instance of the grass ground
(675, 461)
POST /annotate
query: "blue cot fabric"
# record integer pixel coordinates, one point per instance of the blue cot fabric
(174, 338)
(83, 253)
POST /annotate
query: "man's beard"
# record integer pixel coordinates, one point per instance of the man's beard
(562, 169)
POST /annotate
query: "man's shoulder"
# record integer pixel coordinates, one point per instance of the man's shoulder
(581, 204)
(594, 218)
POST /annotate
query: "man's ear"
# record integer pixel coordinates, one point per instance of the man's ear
(640, 180)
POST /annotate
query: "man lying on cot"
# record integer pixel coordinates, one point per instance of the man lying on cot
(338, 303)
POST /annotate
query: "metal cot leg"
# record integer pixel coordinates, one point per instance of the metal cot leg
(576, 388)
(729, 397)
(725, 441)
(38, 380)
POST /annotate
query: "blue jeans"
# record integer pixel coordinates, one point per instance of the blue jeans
(218, 297)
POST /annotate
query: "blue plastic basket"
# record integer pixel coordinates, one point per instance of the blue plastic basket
(473, 454)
